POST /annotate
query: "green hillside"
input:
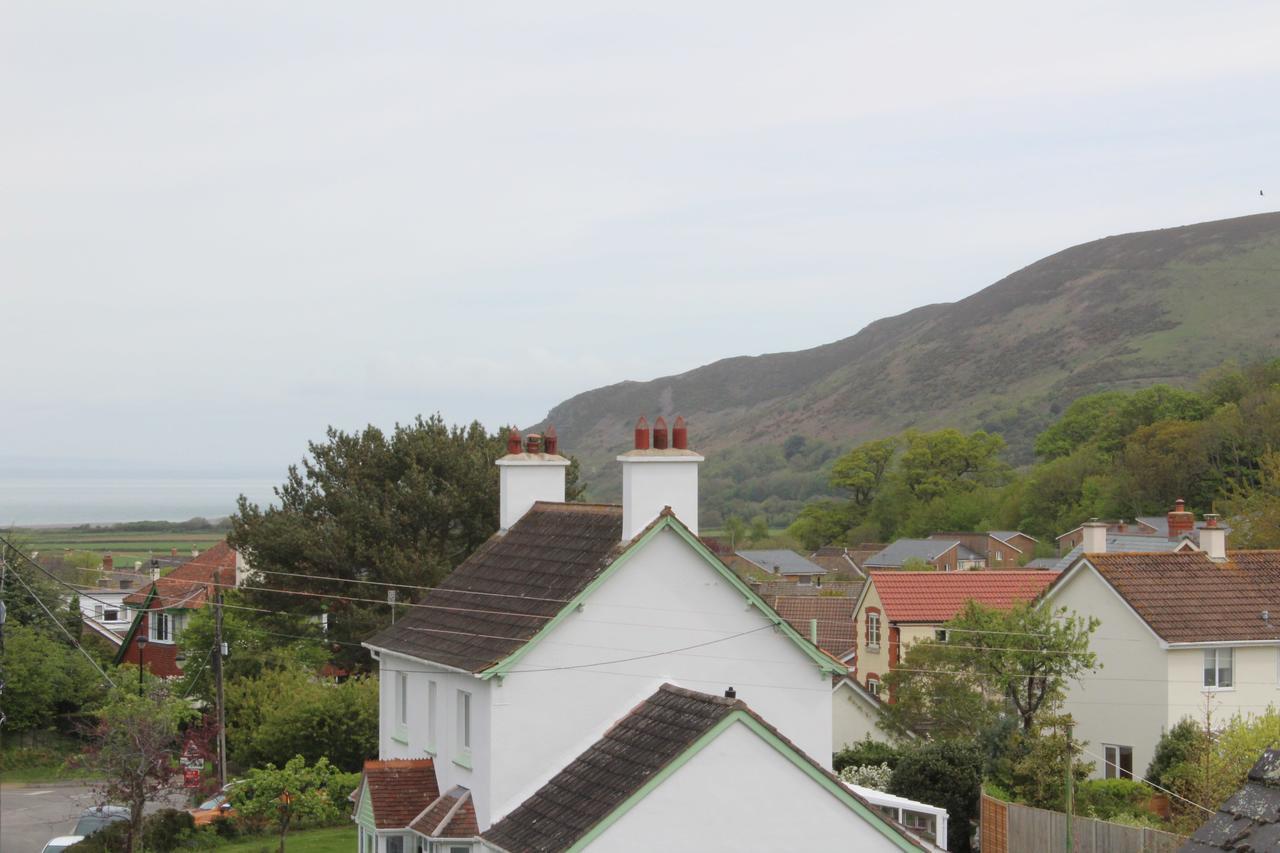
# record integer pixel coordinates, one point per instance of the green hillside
(1121, 312)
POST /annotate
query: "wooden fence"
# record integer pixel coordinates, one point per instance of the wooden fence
(1014, 828)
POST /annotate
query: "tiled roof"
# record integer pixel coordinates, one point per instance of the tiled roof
(399, 789)
(935, 597)
(1249, 821)
(547, 557)
(836, 561)
(769, 590)
(1006, 535)
(782, 562)
(836, 634)
(921, 549)
(1124, 543)
(188, 585)
(451, 815)
(655, 733)
(1188, 598)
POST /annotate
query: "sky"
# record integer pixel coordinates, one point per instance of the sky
(225, 226)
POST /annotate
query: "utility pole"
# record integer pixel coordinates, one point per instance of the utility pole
(391, 599)
(1071, 794)
(219, 649)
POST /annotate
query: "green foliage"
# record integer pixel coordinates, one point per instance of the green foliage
(290, 712)
(940, 463)
(279, 796)
(1254, 507)
(1107, 799)
(44, 678)
(1220, 762)
(1175, 747)
(1032, 764)
(862, 470)
(112, 838)
(823, 522)
(165, 830)
(916, 564)
(866, 752)
(765, 479)
(759, 530)
(26, 587)
(946, 774)
(874, 776)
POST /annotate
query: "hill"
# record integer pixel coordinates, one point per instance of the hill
(1120, 312)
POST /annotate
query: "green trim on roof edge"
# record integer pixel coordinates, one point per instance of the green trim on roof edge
(828, 665)
(133, 628)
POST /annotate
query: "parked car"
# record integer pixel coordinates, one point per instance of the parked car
(95, 818)
(62, 842)
(214, 807)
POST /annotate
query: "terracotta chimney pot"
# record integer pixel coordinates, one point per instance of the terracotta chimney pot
(642, 434)
(660, 433)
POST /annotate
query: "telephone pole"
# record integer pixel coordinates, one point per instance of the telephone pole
(1071, 794)
(219, 649)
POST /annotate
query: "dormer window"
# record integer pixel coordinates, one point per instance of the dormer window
(160, 627)
(1219, 669)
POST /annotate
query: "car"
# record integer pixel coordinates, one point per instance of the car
(214, 807)
(62, 842)
(95, 818)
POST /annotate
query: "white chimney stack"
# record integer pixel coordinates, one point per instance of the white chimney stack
(1094, 537)
(1213, 539)
(659, 476)
(529, 473)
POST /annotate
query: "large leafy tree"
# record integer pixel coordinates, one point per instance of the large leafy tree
(43, 677)
(935, 464)
(279, 796)
(862, 470)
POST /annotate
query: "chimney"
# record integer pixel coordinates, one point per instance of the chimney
(658, 477)
(1180, 521)
(1213, 539)
(195, 552)
(1094, 537)
(173, 552)
(527, 474)
(108, 562)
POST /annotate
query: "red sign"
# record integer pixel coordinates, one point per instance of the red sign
(191, 778)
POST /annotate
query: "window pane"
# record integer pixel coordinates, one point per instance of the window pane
(1126, 762)
(1210, 668)
(395, 844)
(1225, 665)
(1110, 761)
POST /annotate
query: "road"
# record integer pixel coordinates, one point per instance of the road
(32, 814)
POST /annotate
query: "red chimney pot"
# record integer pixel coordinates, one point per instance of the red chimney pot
(680, 434)
(513, 442)
(642, 434)
(660, 434)
(549, 442)
(533, 443)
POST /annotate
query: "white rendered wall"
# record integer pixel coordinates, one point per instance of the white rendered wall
(446, 751)
(1125, 702)
(852, 719)
(665, 597)
(106, 599)
(739, 793)
(654, 479)
(526, 478)
(1257, 684)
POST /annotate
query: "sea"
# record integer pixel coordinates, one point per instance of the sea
(27, 501)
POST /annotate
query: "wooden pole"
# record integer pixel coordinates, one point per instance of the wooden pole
(218, 646)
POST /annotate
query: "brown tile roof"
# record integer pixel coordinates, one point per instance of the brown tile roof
(547, 557)
(188, 585)
(1188, 598)
(836, 634)
(451, 815)
(655, 733)
(772, 589)
(399, 789)
(936, 597)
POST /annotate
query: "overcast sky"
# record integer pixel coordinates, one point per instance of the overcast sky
(224, 226)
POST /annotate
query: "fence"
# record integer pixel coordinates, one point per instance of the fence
(1014, 828)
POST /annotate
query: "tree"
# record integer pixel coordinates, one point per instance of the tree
(821, 523)
(736, 529)
(993, 661)
(43, 678)
(1176, 746)
(134, 747)
(946, 774)
(759, 530)
(937, 463)
(285, 794)
(1254, 508)
(862, 470)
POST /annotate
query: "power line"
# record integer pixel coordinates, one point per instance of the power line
(74, 642)
(1141, 778)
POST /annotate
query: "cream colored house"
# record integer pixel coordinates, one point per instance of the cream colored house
(1180, 634)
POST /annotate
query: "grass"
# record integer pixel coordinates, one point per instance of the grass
(125, 546)
(335, 839)
(37, 775)
(45, 761)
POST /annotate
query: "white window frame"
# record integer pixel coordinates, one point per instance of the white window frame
(402, 705)
(1217, 654)
(873, 687)
(404, 848)
(941, 635)
(1111, 767)
(432, 689)
(464, 724)
(157, 619)
(98, 611)
(873, 643)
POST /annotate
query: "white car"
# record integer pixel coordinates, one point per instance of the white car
(62, 842)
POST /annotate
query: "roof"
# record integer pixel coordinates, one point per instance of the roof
(1006, 535)
(782, 562)
(836, 634)
(1122, 543)
(399, 789)
(919, 549)
(1250, 818)
(769, 590)
(936, 597)
(188, 585)
(547, 557)
(1189, 598)
(632, 753)
(451, 815)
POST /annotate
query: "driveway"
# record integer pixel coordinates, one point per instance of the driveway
(32, 814)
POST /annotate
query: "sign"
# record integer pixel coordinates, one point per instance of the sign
(190, 777)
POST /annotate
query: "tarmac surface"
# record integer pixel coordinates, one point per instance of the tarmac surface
(30, 815)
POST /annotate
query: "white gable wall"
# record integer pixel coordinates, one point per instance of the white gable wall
(739, 793)
(852, 719)
(665, 597)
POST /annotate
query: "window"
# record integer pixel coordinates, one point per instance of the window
(873, 686)
(459, 848)
(431, 716)
(873, 630)
(402, 700)
(97, 611)
(464, 722)
(1218, 668)
(111, 615)
(160, 627)
(803, 580)
(1118, 761)
(395, 844)
(999, 555)
(941, 635)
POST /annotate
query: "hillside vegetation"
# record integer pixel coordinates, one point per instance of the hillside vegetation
(1120, 313)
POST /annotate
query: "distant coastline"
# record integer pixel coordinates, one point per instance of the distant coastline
(65, 500)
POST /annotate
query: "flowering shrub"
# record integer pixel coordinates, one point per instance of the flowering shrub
(874, 776)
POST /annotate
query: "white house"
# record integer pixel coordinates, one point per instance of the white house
(571, 615)
(1180, 633)
(855, 715)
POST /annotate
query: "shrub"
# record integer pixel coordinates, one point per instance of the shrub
(1176, 746)
(946, 774)
(1107, 798)
(339, 788)
(165, 830)
(112, 838)
(226, 827)
(875, 776)
(864, 752)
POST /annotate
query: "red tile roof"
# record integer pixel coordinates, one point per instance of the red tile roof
(452, 815)
(399, 789)
(188, 585)
(1188, 598)
(936, 597)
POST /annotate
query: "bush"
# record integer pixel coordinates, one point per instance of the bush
(226, 827)
(864, 752)
(1176, 746)
(946, 774)
(1107, 798)
(874, 776)
(165, 830)
(339, 788)
(112, 838)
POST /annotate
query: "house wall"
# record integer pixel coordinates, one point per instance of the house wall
(664, 598)
(1126, 702)
(160, 659)
(947, 561)
(413, 741)
(852, 719)
(1257, 684)
(739, 793)
(870, 661)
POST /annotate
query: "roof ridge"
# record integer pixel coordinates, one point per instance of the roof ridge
(572, 506)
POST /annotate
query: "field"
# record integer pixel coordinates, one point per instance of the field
(125, 546)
